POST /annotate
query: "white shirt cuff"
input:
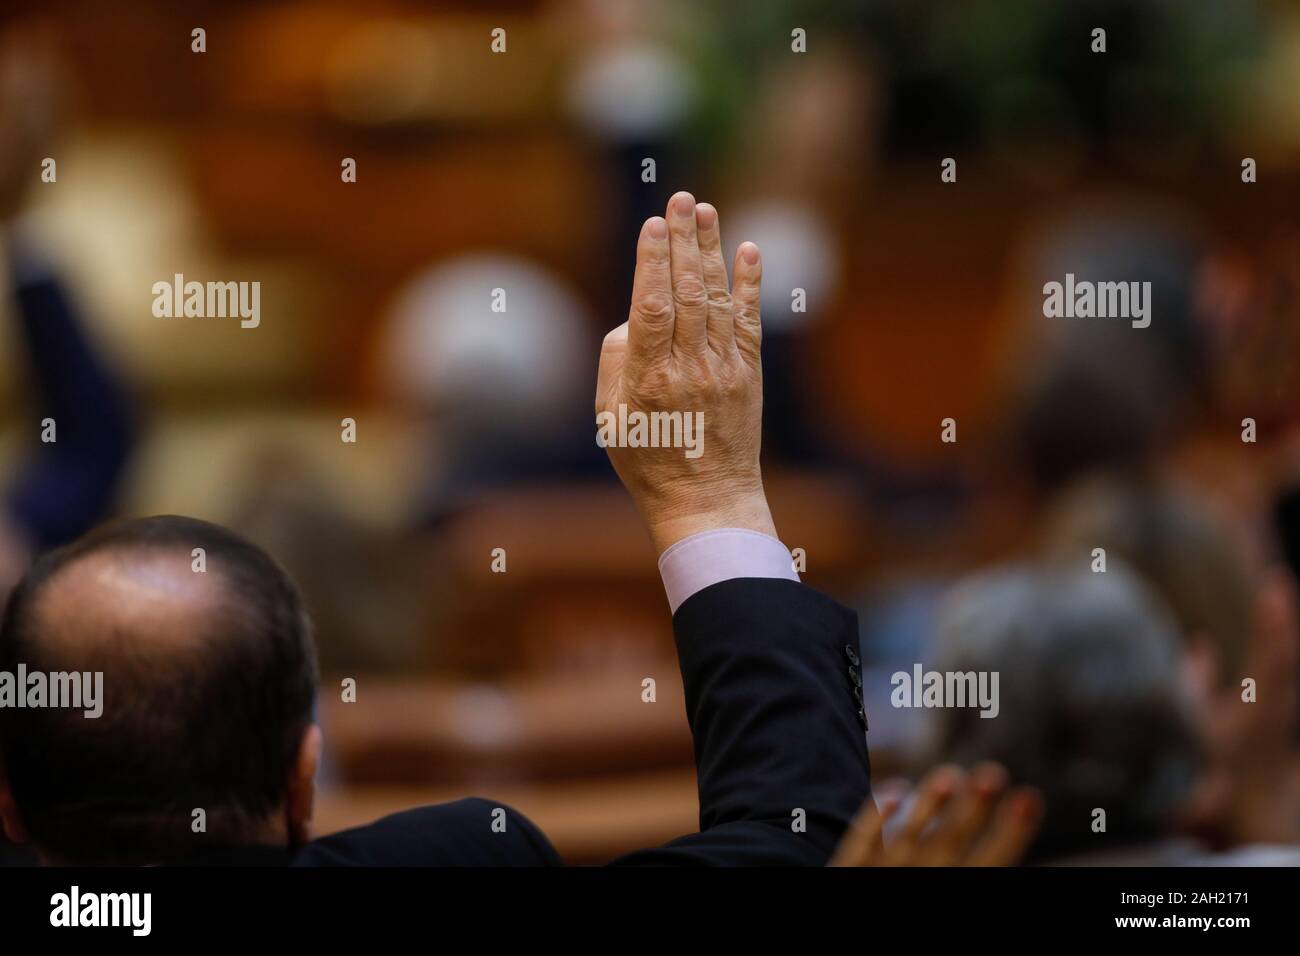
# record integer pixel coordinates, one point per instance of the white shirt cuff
(711, 557)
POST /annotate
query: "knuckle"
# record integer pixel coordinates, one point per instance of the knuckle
(655, 306)
(690, 292)
(720, 301)
(747, 316)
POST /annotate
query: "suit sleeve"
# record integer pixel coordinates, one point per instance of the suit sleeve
(68, 484)
(773, 698)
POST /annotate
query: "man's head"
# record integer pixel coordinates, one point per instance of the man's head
(1094, 395)
(209, 678)
(1175, 544)
(1092, 711)
(1237, 617)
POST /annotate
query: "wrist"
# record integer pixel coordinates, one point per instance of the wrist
(671, 521)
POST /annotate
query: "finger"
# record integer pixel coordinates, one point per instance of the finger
(748, 273)
(861, 844)
(690, 301)
(721, 337)
(1013, 828)
(931, 797)
(650, 320)
(966, 818)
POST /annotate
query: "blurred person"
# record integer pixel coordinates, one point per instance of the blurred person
(68, 482)
(815, 121)
(1093, 712)
(82, 414)
(1237, 619)
(634, 96)
(81, 410)
(209, 678)
(805, 256)
(1082, 397)
(1096, 395)
(696, 91)
(485, 349)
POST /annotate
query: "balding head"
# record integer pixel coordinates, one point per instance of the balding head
(209, 674)
(141, 599)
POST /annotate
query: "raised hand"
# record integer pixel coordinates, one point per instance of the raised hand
(956, 819)
(684, 369)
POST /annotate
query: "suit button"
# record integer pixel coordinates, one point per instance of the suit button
(857, 693)
(862, 718)
(855, 676)
(851, 653)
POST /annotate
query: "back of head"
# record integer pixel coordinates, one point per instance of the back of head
(1174, 543)
(208, 682)
(1096, 394)
(1090, 711)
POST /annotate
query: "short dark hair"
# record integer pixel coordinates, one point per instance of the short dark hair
(216, 727)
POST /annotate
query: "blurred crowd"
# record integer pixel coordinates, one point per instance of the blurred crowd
(1159, 685)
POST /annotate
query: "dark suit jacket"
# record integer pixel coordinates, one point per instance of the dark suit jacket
(67, 485)
(773, 696)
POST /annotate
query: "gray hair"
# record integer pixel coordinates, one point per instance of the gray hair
(1092, 710)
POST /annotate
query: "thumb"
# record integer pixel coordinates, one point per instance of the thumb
(613, 355)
